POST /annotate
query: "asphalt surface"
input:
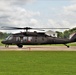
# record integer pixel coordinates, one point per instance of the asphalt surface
(38, 48)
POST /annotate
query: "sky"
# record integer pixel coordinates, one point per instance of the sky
(38, 13)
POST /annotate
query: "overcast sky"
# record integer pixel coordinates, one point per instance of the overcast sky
(38, 13)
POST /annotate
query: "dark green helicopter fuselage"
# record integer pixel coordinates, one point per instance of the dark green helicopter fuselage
(35, 38)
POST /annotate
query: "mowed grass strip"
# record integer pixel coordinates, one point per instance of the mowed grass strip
(37, 63)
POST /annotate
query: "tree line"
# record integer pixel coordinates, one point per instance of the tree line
(4, 35)
(64, 34)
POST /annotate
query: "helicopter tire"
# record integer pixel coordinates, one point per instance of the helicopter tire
(20, 45)
(68, 46)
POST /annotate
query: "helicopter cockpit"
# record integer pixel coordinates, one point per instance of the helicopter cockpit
(7, 40)
(10, 37)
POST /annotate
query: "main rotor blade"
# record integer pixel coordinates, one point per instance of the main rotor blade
(15, 28)
(19, 28)
(51, 28)
(26, 28)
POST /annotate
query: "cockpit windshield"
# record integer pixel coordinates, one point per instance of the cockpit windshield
(9, 37)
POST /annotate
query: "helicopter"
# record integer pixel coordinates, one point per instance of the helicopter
(34, 38)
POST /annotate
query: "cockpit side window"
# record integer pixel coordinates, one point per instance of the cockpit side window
(9, 37)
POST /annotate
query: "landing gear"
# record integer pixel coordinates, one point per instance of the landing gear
(67, 45)
(20, 45)
(6, 46)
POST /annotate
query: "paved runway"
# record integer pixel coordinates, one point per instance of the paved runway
(38, 48)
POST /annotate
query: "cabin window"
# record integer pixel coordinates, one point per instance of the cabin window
(25, 38)
(43, 38)
(17, 38)
(35, 37)
(29, 38)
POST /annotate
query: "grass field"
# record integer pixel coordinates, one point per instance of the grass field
(37, 63)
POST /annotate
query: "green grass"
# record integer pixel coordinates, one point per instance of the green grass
(37, 63)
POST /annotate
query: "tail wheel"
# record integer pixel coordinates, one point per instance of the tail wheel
(20, 45)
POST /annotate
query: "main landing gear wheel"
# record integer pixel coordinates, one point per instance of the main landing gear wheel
(6, 46)
(20, 46)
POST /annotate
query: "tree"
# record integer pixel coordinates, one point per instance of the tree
(3, 35)
(73, 30)
(59, 34)
(66, 34)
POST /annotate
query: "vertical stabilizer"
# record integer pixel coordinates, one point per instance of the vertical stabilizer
(73, 37)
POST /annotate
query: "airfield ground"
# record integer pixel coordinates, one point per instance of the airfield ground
(38, 48)
(38, 60)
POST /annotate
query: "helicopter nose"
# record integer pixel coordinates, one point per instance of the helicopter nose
(3, 42)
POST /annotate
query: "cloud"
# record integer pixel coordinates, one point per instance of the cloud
(24, 1)
(16, 15)
(69, 14)
(70, 10)
(17, 2)
(20, 2)
(66, 16)
(53, 23)
(33, 21)
(21, 17)
(73, 1)
(13, 14)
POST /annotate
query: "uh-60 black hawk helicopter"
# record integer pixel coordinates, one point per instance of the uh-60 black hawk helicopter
(34, 38)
